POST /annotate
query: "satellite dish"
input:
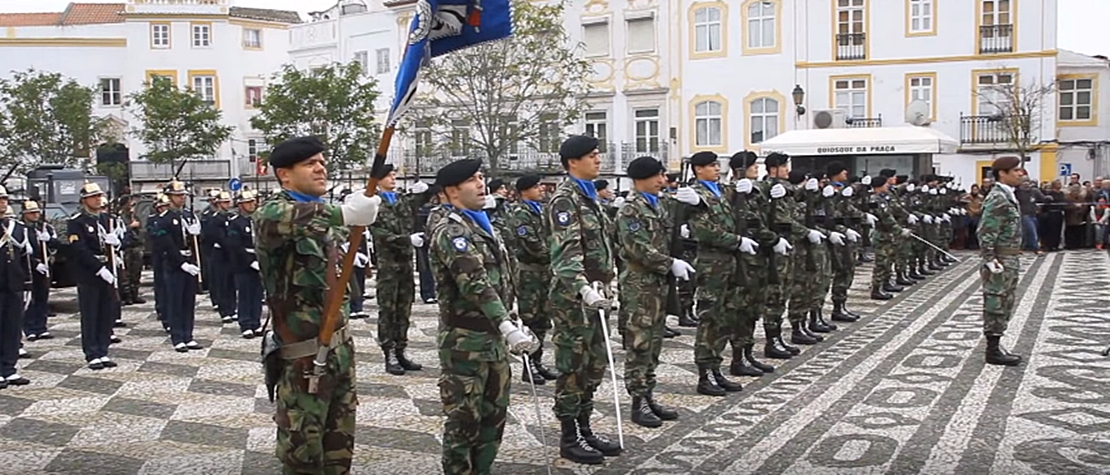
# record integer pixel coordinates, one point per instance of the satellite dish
(917, 113)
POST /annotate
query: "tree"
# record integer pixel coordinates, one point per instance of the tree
(1016, 113)
(334, 102)
(524, 89)
(177, 124)
(45, 118)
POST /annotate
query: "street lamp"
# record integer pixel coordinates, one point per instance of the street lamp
(799, 97)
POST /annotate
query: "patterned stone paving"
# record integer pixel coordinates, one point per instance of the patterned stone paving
(902, 391)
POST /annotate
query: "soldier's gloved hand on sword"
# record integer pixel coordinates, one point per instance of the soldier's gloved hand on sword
(111, 239)
(106, 275)
(190, 269)
(520, 339)
(681, 269)
(41, 268)
(193, 227)
(593, 299)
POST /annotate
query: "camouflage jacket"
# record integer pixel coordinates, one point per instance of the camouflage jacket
(294, 242)
(473, 283)
(750, 212)
(530, 235)
(782, 213)
(581, 238)
(712, 223)
(644, 234)
(846, 215)
(1000, 224)
(882, 208)
(393, 227)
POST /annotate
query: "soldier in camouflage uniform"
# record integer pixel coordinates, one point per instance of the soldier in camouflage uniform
(132, 255)
(394, 242)
(533, 270)
(847, 219)
(808, 261)
(782, 218)
(644, 230)
(469, 259)
(905, 248)
(297, 238)
(888, 231)
(582, 268)
(1000, 243)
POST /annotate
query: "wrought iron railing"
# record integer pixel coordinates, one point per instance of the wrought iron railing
(425, 163)
(994, 39)
(988, 129)
(851, 46)
(864, 122)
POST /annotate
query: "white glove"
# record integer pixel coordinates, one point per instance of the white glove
(687, 195)
(778, 191)
(490, 203)
(43, 236)
(749, 246)
(41, 268)
(346, 246)
(681, 269)
(933, 191)
(359, 210)
(815, 236)
(866, 180)
(684, 231)
(617, 203)
(928, 219)
(910, 187)
(193, 227)
(254, 265)
(744, 186)
(906, 232)
(953, 211)
(944, 191)
(190, 269)
(836, 238)
(419, 187)
(518, 339)
(847, 192)
(852, 235)
(946, 218)
(828, 191)
(811, 184)
(994, 266)
(361, 260)
(106, 274)
(782, 247)
(871, 219)
(111, 239)
(593, 299)
(912, 219)
(417, 239)
(925, 188)
(217, 245)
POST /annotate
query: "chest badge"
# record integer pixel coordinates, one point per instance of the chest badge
(92, 229)
(634, 226)
(460, 244)
(521, 231)
(175, 221)
(563, 218)
(247, 230)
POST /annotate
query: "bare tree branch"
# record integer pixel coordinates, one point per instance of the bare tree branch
(1016, 110)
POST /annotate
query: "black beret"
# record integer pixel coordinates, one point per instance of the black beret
(577, 146)
(834, 169)
(796, 176)
(703, 158)
(742, 160)
(776, 160)
(645, 167)
(888, 172)
(878, 181)
(601, 184)
(527, 181)
(294, 151)
(386, 170)
(457, 172)
(900, 179)
(495, 184)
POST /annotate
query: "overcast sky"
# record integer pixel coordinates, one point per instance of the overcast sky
(1082, 25)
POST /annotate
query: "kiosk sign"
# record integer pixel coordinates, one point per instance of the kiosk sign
(857, 149)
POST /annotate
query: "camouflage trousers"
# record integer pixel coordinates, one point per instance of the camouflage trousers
(999, 294)
(395, 291)
(316, 432)
(748, 299)
(775, 294)
(808, 283)
(132, 272)
(643, 297)
(843, 261)
(818, 288)
(716, 316)
(475, 396)
(532, 287)
(904, 250)
(886, 252)
(580, 354)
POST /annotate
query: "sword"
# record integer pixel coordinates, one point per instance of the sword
(942, 251)
(612, 367)
(536, 402)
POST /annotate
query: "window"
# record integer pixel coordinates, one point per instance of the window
(707, 124)
(510, 127)
(850, 35)
(161, 75)
(1076, 98)
(647, 130)
(202, 35)
(921, 89)
(160, 35)
(994, 92)
(423, 138)
(254, 96)
(764, 119)
(205, 87)
(596, 37)
(550, 132)
(921, 17)
(597, 125)
(363, 60)
(252, 38)
(460, 138)
(850, 96)
(707, 30)
(641, 35)
(761, 25)
(383, 60)
(996, 28)
(252, 149)
(110, 92)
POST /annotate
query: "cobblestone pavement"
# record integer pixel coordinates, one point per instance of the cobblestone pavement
(904, 390)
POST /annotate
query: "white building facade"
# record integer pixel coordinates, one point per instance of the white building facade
(224, 53)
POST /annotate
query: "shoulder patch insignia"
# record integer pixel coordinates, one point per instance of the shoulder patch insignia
(460, 244)
(521, 231)
(563, 218)
(634, 225)
(74, 237)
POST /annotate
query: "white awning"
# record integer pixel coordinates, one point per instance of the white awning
(861, 141)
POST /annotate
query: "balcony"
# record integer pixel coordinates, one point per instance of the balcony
(989, 129)
(851, 46)
(193, 170)
(614, 159)
(864, 122)
(995, 39)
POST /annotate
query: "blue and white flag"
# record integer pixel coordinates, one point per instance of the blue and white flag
(440, 27)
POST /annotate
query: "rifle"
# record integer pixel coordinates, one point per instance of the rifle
(772, 257)
(112, 257)
(740, 200)
(674, 303)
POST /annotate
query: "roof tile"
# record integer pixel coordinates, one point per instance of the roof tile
(29, 19)
(93, 13)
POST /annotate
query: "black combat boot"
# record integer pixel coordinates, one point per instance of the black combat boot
(913, 274)
(724, 383)
(669, 332)
(812, 334)
(406, 363)
(748, 355)
(530, 371)
(821, 318)
(661, 411)
(877, 293)
(774, 348)
(840, 313)
(933, 266)
(923, 269)
(607, 447)
(799, 336)
(392, 366)
(997, 355)
(693, 315)
(537, 361)
(865, 257)
(573, 447)
(137, 299)
(851, 312)
(687, 319)
(739, 366)
(903, 280)
(892, 288)
(643, 415)
(793, 350)
(817, 325)
(707, 385)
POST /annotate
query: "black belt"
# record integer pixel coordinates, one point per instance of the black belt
(781, 228)
(478, 324)
(752, 223)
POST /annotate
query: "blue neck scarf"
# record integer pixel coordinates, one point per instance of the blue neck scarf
(587, 187)
(712, 187)
(389, 196)
(303, 198)
(652, 199)
(536, 206)
(481, 218)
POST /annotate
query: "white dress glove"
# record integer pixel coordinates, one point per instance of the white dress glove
(190, 269)
(744, 186)
(490, 203)
(906, 232)
(852, 235)
(254, 265)
(687, 195)
(946, 218)
(778, 191)
(912, 219)
(871, 219)
(41, 268)
(361, 260)
(592, 298)
(617, 203)
(910, 187)
(933, 191)
(111, 239)
(749, 246)
(815, 236)
(419, 187)
(847, 192)
(681, 269)
(928, 219)
(518, 338)
(828, 191)
(193, 227)
(684, 231)
(782, 247)
(359, 210)
(811, 184)
(836, 238)
(994, 266)
(43, 236)
(866, 180)
(944, 191)
(217, 245)
(106, 274)
(417, 239)
(925, 188)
